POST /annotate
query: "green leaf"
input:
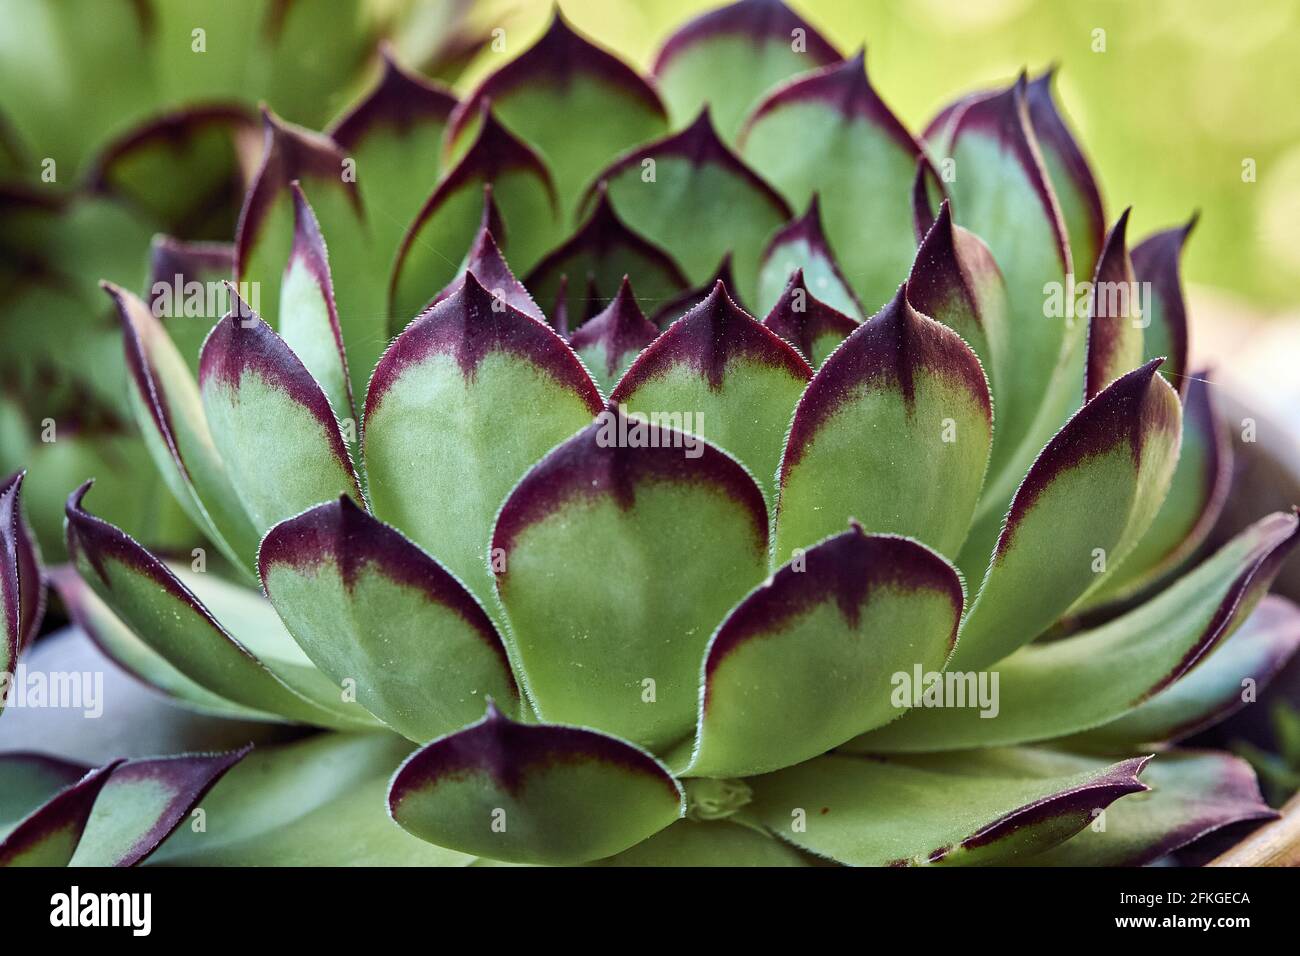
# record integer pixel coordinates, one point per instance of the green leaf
(368, 606)
(187, 290)
(565, 75)
(143, 802)
(893, 430)
(48, 835)
(807, 323)
(1088, 499)
(1193, 793)
(718, 373)
(451, 217)
(270, 421)
(461, 405)
(807, 660)
(1070, 175)
(609, 341)
(728, 58)
(532, 793)
(168, 410)
(166, 615)
(317, 802)
(964, 809)
(1156, 261)
(1114, 315)
(857, 156)
(484, 259)
(31, 779)
(1196, 498)
(714, 843)
(600, 254)
(618, 554)
(801, 247)
(1090, 678)
(1224, 682)
(22, 584)
(691, 195)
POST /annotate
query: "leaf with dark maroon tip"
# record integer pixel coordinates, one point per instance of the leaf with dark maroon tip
(1089, 498)
(894, 431)
(493, 273)
(271, 422)
(22, 583)
(825, 636)
(807, 323)
(266, 235)
(1071, 176)
(1091, 678)
(445, 226)
(168, 410)
(1115, 318)
(955, 809)
(718, 373)
(732, 56)
(674, 307)
(1193, 793)
(857, 156)
(1218, 686)
(801, 247)
(618, 555)
(367, 605)
(165, 614)
(609, 341)
(187, 290)
(533, 793)
(463, 402)
(603, 250)
(1156, 261)
(691, 195)
(143, 802)
(565, 74)
(48, 835)
(1196, 498)
(30, 780)
(309, 318)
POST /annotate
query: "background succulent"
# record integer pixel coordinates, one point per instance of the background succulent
(677, 640)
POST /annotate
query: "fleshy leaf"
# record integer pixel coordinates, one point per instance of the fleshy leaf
(1088, 499)
(801, 247)
(954, 280)
(691, 195)
(718, 373)
(1217, 686)
(168, 410)
(143, 802)
(565, 75)
(271, 421)
(173, 265)
(533, 793)
(674, 307)
(1193, 793)
(460, 406)
(708, 843)
(963, 809)
(317, 802)
(824, 636)
(523, 192)
(1196, 498)
(22, 584)
(602, 252)
(894, 430)
(857, 156)
(369, 606)
(309, 319)
(394, 136)
(1114, 314)
(166, 615)
(619, 553)
(1155, 261)
(1070, 175)
(31, 779)
(1090, 678)
(610, 340)
(493, 273)
(807, 323)
(732, 56)
(48, 835)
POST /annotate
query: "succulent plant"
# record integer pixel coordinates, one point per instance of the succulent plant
(897, 574)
